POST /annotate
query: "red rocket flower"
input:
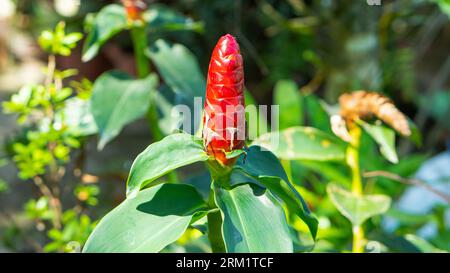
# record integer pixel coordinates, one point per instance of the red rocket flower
(224, 115)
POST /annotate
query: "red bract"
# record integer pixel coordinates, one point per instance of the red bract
(224, 115)
(134, 9)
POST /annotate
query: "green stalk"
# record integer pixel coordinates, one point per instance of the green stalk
(215, 226)
(139, 38)
(220, 176)
(352, 157)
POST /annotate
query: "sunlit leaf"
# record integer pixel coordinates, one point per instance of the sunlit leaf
(265, 168)
(117, 99)
(288, 97)
(161, 157)
(108, 22)
(357, 208)
(179, 68)
(253, 220)
(384, 137)
(153, 219)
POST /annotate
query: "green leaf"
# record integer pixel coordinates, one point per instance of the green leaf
(384, 137)
(302, 143)
(161, 157)
(416, 136)
(316, 113)
(444, 5)
(288, 97)
(162, 18)
(179, 68)
(357, 208)
(256, 123)
(155, 218)
(263, 166)
(253, 220)
(117, 99)
(109, 21)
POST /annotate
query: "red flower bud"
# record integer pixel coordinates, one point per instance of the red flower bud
(134, 9)
(224, 114)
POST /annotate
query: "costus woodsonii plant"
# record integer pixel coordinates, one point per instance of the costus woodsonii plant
(245, 205)
(224, 114)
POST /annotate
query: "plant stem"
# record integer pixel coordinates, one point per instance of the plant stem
(357, 188)
(51, 66)
(139, 38)
(358, 239)
(54, 201)
(215, 226)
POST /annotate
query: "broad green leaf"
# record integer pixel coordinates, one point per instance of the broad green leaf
(357, 208)
(179, 68)
(288, 97)
(109, 21)
(162, 18)
(155, 218)
(423, 245)
(117, 99)
(384, 137)
(161, 157)
(263, 166)
(253, 220)
(302, 143)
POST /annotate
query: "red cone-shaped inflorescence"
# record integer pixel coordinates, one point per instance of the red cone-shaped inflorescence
(224, 114)
(134, 9)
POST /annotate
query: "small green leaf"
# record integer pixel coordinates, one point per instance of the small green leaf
(385, 137)
(157, 217)
(288, 97)
(179, 68)
(302, 143)
(316, 113)
(161, 157)
(263, 166)
(109, 21)
(253, 220)
(117, 100)
(357, 208)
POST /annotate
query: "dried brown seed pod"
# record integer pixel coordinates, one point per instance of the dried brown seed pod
(365, 105)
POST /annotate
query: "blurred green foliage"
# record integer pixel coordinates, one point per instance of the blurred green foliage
(296, 52)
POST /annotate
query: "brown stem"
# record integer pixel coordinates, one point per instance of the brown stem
(409, 181)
